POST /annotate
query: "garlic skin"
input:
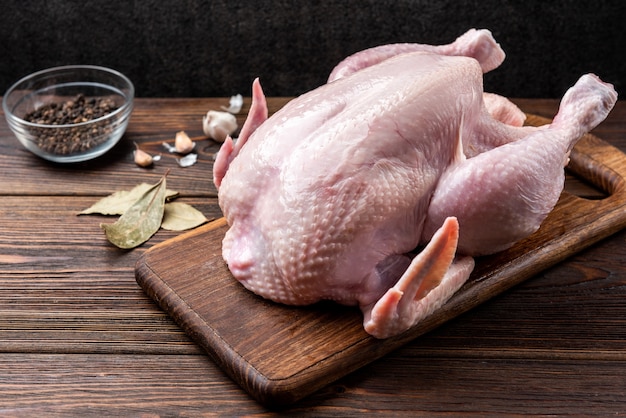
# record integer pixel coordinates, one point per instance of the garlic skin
(142, 158)
(235, 105)
(188, 160)
(218, 125)
(183, 144)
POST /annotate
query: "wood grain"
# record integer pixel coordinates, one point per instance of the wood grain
(78, 337)
(320, 344)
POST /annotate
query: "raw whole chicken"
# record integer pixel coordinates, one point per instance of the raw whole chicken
(400, 150)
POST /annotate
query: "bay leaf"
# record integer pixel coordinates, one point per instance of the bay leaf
(117, 203)
(180, 216)
(141, 220)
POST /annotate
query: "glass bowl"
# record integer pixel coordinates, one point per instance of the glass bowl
(71, 113)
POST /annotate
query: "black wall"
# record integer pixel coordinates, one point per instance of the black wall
(216, 48)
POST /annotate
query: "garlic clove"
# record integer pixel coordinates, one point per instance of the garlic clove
(183, 144)
(142, 158)
(218, 125)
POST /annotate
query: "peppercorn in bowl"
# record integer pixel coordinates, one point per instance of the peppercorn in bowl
(71, 113)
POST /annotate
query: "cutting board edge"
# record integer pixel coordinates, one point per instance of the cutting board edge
(284, 391)
(266, 390)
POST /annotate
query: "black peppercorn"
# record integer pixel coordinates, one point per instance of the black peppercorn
(73, 111)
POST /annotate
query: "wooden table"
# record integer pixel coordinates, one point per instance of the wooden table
(79, 337)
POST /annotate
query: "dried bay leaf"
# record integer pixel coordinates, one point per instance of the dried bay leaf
(181, 216)
(119, 202)
(141, 220)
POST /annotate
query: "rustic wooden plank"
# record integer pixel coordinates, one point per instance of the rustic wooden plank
(113, 385)
(203, 298)
(499, 386)
(426, 385)
(90, 302)
(572, 311)
(157, 120)
(152, 122)
(79, 337)
(101, 177)
(106, 312)
(64, 288)
(67, 307)
(55, 221)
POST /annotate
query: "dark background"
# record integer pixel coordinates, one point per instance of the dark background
(197, 48)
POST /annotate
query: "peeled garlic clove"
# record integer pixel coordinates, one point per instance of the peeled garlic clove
(218, 125)
(183, 143)
(142, 158)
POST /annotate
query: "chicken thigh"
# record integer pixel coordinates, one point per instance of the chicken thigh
(399, 151)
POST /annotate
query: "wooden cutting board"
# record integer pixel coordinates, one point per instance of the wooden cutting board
(280, 354)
